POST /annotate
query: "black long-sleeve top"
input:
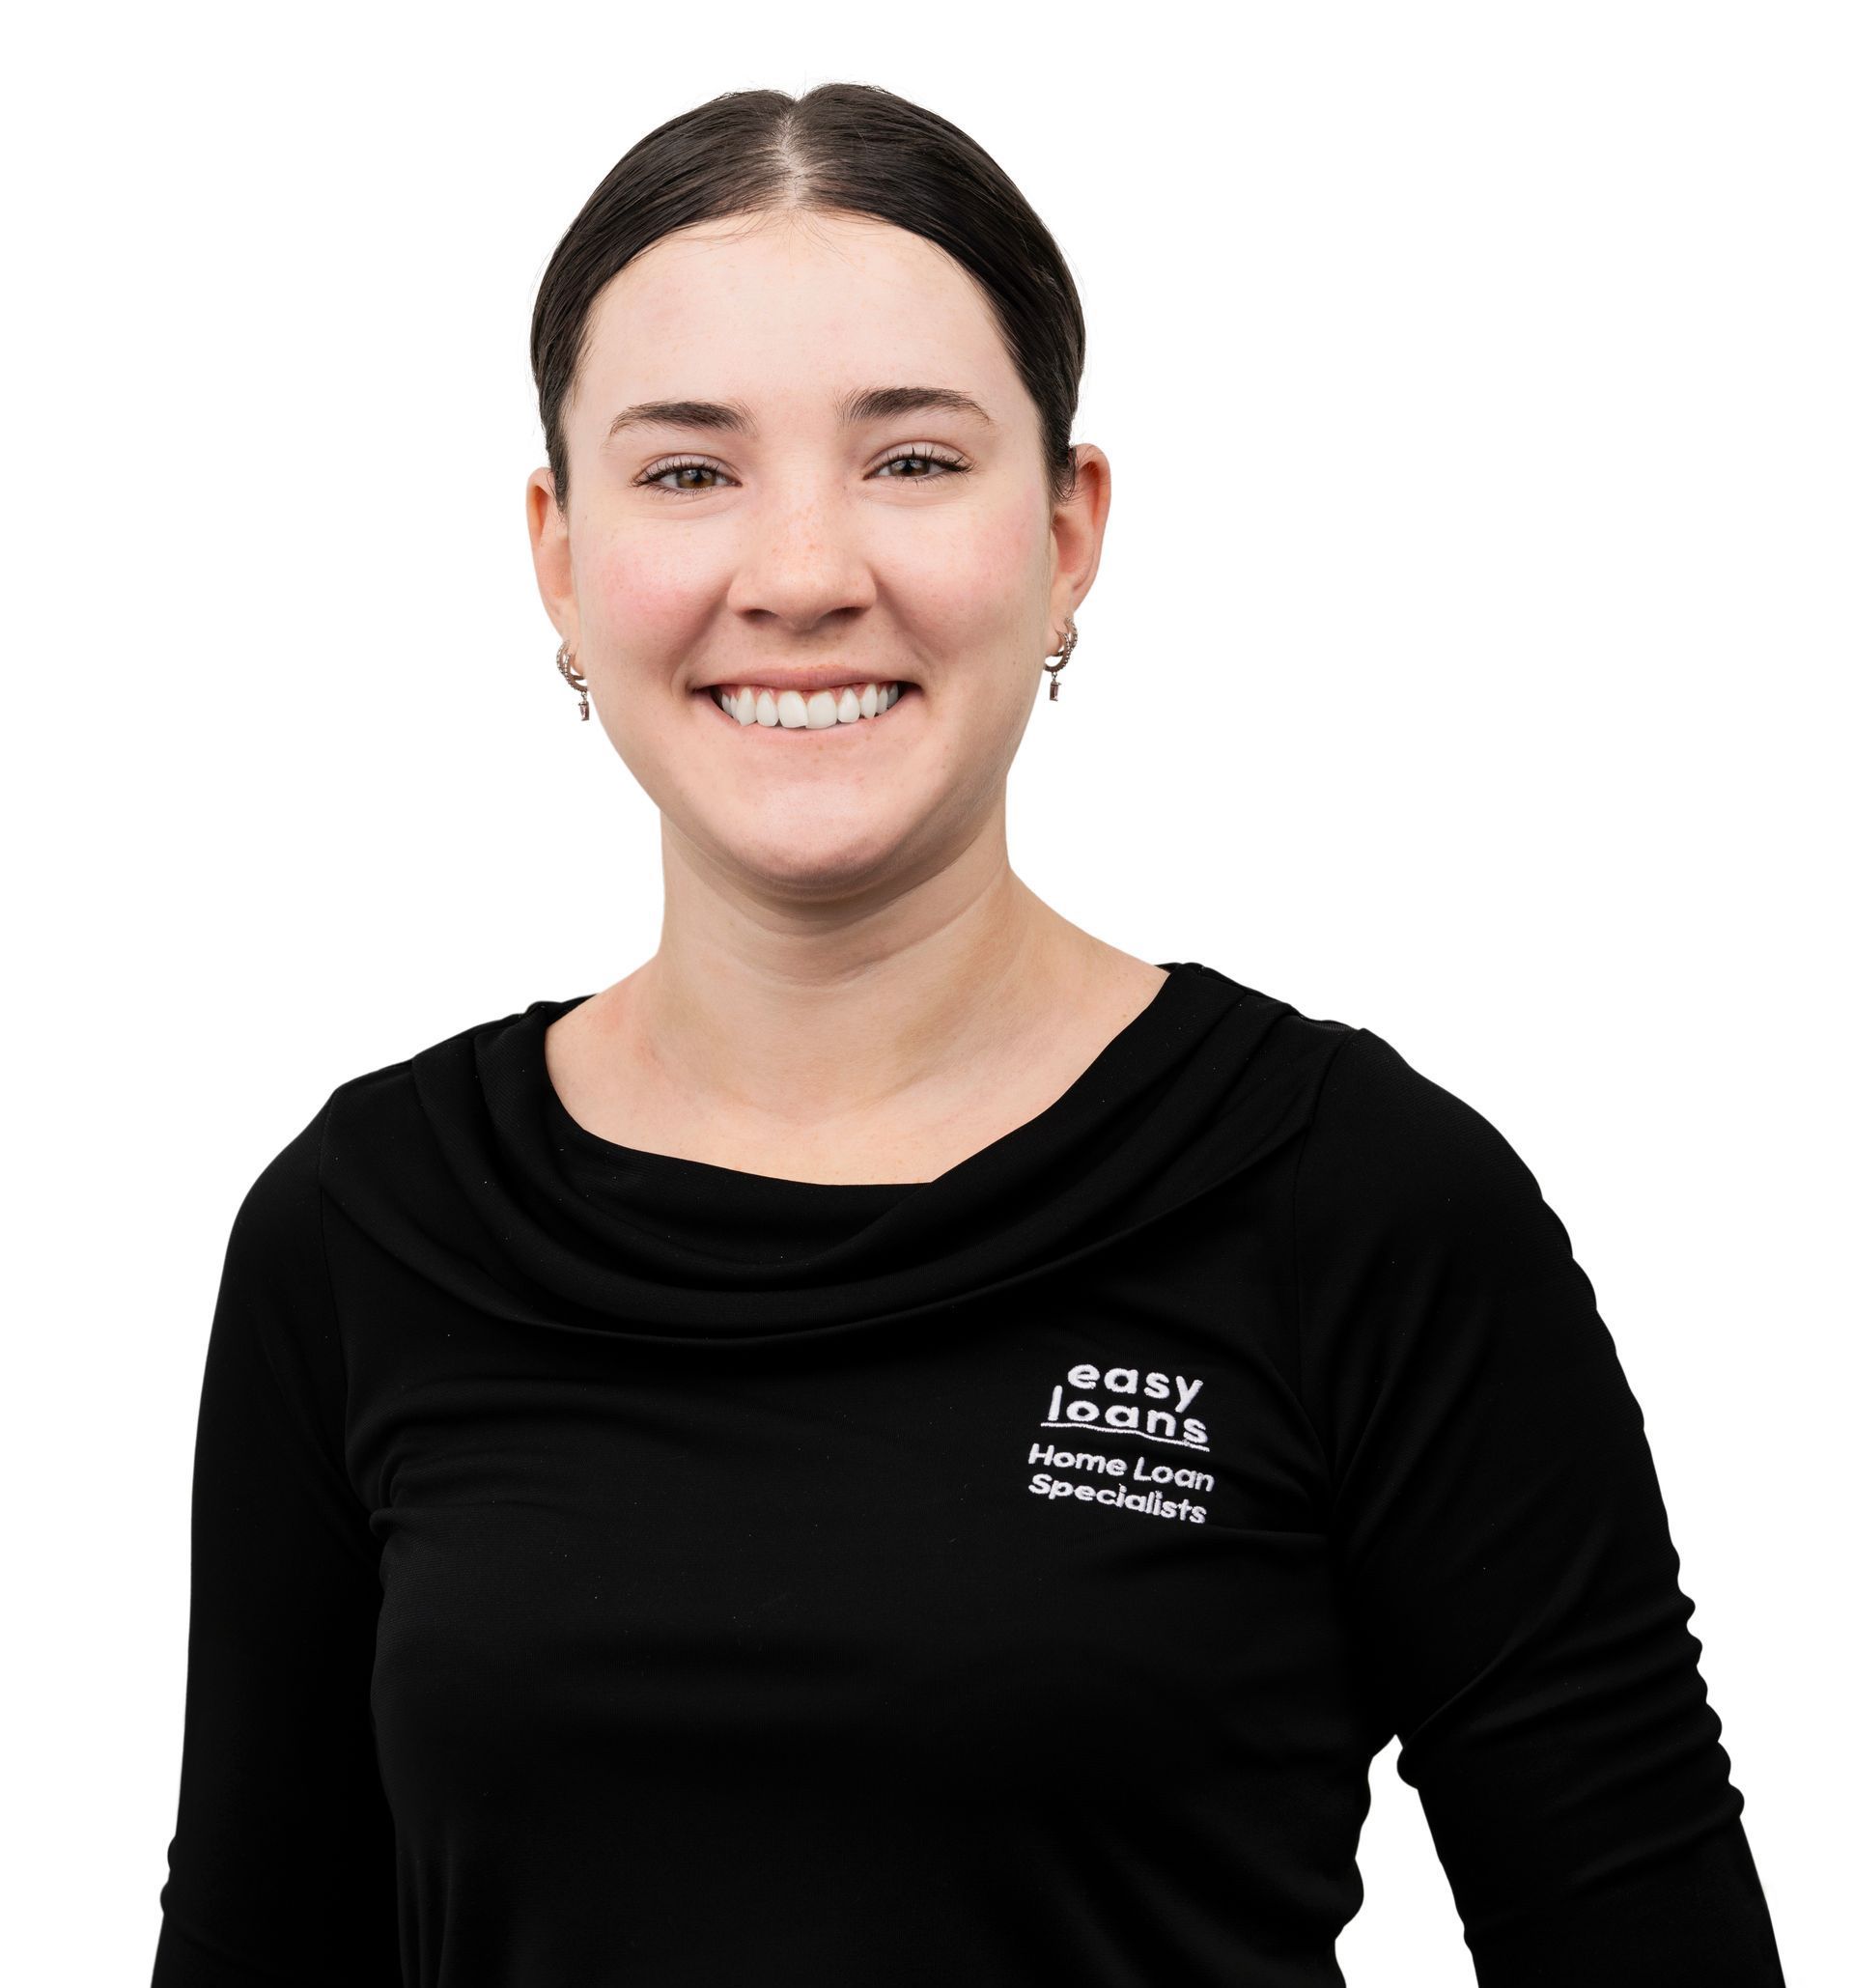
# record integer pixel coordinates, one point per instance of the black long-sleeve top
(615, 1571)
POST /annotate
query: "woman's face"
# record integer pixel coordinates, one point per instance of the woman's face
(767, 531)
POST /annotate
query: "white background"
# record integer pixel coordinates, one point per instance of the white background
(1467, 660)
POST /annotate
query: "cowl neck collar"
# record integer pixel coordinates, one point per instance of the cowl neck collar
(1176, 1102)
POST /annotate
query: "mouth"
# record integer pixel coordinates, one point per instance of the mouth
(852, 709)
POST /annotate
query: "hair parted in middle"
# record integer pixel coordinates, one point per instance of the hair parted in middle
(841, 147)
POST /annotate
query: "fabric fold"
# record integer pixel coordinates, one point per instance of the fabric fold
(1177, 1102)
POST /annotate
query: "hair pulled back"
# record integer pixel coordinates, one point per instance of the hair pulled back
(841, 147)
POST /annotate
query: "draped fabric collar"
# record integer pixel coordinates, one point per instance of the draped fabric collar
(570, 1231)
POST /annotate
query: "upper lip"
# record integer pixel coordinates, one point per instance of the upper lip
(806, 679)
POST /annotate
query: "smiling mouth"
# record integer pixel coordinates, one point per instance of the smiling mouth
(845, 707)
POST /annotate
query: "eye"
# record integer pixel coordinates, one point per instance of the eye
(949, 463)
(938, 466)
(651, 478)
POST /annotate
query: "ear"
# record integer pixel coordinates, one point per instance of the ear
(553, 556)
(1076, 531)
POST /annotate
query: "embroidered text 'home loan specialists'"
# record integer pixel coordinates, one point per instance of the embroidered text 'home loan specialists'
(1155, 1424)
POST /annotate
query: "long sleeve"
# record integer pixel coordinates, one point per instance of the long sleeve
(1504, 1554)
(281, 1868)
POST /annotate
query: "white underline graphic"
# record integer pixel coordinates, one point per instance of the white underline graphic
(1114, 1429)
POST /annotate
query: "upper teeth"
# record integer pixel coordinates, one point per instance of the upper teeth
(753, 705)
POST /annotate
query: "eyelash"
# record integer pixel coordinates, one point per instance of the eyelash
(648, 481)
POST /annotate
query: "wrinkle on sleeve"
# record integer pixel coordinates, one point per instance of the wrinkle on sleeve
(281, 1867)
(1509, 1577)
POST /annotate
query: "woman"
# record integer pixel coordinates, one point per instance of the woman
(899, 1443)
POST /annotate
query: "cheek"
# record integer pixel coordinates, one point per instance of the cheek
(982, 580)
(654, 601)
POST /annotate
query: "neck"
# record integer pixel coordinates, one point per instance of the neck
(808, 1014)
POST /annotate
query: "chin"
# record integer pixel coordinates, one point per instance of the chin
(816, 863)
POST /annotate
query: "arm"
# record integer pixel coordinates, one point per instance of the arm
(1498, 1529)
(281, 1867)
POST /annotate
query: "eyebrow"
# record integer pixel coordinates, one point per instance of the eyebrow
(872, 403)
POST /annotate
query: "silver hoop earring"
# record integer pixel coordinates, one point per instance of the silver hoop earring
(563, 661)
(1069, 639)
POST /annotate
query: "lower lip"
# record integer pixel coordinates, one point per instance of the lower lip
(883, 720)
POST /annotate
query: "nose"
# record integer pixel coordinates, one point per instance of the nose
(801, 560)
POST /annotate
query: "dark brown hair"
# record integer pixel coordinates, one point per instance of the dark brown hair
(844, 147)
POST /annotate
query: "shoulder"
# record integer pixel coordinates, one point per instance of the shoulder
(279, 1216)
(1384, 1150)
(379, 1113)
(1429, 1271)
(1392, 1157)
(383, 1101)
(1271, 1042)
(1379, 1110)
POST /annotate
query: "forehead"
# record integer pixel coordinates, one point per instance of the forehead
(790, 306)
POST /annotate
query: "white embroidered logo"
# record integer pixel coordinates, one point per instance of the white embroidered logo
(1170, 1425)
